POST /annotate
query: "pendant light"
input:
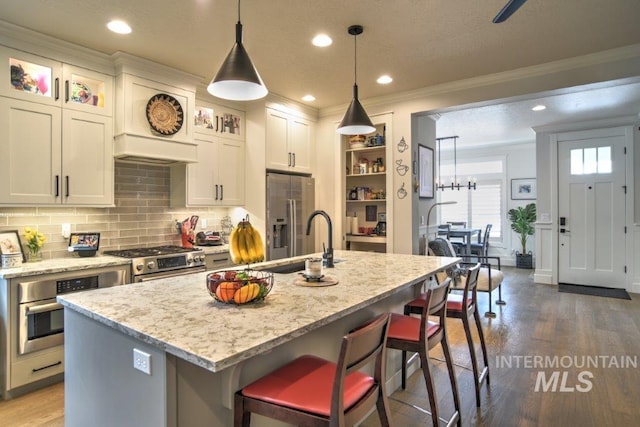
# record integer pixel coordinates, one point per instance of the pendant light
(237, 78)
(455, 182)
(355, 120)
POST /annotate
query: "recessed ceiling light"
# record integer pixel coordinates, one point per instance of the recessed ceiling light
(309, 98)
(539, 108)
(119, 27)
(322, 40)
(384, 80)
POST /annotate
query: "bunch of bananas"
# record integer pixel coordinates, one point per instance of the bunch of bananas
(245, 244)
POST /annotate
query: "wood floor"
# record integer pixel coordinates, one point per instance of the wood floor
(537, 322)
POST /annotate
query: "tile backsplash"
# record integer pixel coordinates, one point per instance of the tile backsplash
(141, 216)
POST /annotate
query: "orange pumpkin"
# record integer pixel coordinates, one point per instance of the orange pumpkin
(226, 290)
(246, 293)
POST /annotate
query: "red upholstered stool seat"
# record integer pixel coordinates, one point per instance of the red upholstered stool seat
(306, 384)
(408, 328)
(454, 302)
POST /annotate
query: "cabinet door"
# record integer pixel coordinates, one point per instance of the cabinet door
(30, 135)
(88, 91)
(300, 144)
(29, 77)
(278, 154)
(87, 159)
(202, 176)
(231, 172)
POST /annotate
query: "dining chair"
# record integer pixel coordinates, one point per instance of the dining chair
(419, 335)
(481, 248)
(490, 276)
(443, 230)
(464, 306)
(311, 391)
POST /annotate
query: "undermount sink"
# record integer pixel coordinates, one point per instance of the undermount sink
(292, 267)
(283, 268)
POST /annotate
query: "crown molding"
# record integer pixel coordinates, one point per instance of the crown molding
(16, 37)
(630, 52)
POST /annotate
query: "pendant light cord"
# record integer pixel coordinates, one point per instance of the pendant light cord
(355, 59)
(238, 10)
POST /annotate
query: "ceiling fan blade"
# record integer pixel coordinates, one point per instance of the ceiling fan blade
(508, 10)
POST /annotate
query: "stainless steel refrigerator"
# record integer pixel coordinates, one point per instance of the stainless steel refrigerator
(290, 202)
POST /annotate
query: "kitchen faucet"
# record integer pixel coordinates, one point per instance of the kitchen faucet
(328, 253)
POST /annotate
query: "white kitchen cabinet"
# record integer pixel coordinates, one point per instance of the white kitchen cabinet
(219, 120)
(288, 141)
(54, 156)
(45, 81)
(217, 179)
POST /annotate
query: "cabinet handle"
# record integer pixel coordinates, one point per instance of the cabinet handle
(216, 191)
(57, 185)
(289, 162)
(221, 124)
(294, 160)
(221, 192)
(57, 89)
(66, 184)
(66, 91)
(59, 362)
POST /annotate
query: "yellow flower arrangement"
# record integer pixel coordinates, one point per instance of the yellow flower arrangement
(35, 240)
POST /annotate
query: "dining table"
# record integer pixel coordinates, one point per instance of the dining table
(466, 234)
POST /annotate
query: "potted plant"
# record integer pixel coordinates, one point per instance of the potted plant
(522, 219)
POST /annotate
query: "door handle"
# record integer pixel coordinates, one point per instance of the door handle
(57, 185)
(289, 162)
(564, 230)
(216, 191)
(294, 160)
(57, 88)
(66, 178)
(221, 192)
(66, 91)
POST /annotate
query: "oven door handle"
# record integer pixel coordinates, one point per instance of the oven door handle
(43, 308)
(173, 273)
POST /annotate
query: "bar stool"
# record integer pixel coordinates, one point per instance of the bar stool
(419, 335)
(314, 391)
(464, 306)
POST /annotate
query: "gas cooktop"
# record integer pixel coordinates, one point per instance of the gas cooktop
(149, 252)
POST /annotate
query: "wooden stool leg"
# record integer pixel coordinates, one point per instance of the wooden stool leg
(431, 390)
(483, 346)
(452, 378)
(241, 418)
(474, 361)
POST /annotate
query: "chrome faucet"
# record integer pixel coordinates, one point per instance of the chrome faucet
(328, 253)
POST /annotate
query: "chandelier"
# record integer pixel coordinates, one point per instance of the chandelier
(455, 182)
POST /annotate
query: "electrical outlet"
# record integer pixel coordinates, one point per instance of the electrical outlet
(142, 361)
(66, 230)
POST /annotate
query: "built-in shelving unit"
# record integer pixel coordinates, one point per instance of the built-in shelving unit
(367, 183)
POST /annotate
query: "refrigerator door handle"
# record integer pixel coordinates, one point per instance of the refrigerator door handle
(294, 227)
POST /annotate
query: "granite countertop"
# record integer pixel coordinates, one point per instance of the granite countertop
(57, 265)
(178, 314)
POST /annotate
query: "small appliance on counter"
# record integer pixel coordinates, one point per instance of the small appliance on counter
(209, 238)
(84, 244)
(381, 226)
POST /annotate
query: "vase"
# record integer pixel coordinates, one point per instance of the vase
(34, 256)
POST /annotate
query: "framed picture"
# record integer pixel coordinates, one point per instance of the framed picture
(425, 168)
(10, 243)
(524, 189)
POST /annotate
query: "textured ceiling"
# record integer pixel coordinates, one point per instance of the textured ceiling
(418, 42)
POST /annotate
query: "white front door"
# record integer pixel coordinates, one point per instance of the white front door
(592, 198)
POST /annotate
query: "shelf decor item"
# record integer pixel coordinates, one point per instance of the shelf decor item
(11, 248)
(164, 114)
(35, 241)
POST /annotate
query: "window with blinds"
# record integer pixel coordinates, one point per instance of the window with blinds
(482, 206)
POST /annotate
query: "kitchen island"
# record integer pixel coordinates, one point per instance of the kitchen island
(202, 351)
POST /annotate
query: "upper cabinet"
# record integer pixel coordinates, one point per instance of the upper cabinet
(44, 81)
(57, 129)
(218, 177)
(288, 141)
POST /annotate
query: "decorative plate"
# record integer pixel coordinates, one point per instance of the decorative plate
(164, 114)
